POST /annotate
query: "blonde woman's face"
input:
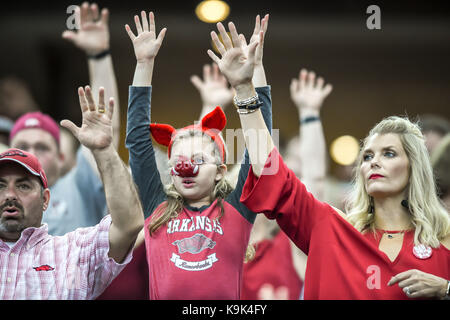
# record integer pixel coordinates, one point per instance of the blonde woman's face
(196, 190)
(385, 166)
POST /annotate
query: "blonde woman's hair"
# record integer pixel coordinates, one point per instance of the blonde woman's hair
(175, 201)
(428, 216)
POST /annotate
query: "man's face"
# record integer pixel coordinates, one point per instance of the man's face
(22, 201)
(44, 147)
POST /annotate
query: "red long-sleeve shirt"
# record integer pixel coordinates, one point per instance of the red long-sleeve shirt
(343, 263)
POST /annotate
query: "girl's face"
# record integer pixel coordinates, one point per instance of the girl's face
(197, 191)
(385, 166)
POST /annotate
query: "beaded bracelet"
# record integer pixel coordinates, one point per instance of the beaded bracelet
(248, 105)
(246, 111)
(245, 102)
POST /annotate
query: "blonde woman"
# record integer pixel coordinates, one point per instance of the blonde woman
(393, 243)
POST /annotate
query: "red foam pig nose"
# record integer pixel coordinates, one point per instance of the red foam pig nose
(184, 168)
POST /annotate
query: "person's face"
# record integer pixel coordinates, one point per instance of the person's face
(44, 147)
(385, 166)
(22, 201)
(197, 189)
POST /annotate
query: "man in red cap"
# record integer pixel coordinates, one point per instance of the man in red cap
(22, 170)
(82, 263)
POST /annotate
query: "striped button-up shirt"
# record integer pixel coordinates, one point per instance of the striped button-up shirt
(75, 266)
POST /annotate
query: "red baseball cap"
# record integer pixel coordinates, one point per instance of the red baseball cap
(26, 160)
(36, 120)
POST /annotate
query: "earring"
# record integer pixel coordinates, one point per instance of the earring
(405, 204)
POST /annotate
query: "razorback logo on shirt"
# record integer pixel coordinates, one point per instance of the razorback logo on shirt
(44, 267)
(193, 224)
(195, 244)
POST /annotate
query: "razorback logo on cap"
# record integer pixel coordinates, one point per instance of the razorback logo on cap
(12, 154)
(32, 122)
(27, 160)
(44, 267)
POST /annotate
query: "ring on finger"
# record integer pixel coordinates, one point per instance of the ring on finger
(407, 291)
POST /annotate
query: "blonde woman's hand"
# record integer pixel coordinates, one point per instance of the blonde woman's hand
(419, 284)
(237, 63)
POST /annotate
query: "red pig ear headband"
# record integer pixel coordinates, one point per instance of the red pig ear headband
(211, 124)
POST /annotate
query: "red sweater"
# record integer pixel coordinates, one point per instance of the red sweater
(342, 262)
(272, 265)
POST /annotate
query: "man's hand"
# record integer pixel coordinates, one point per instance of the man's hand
(96, 131)
(237, 63)
(214, 90)
(93, 36)
(146, 44)
(122, 199)
(307, 94)
(418, 284)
